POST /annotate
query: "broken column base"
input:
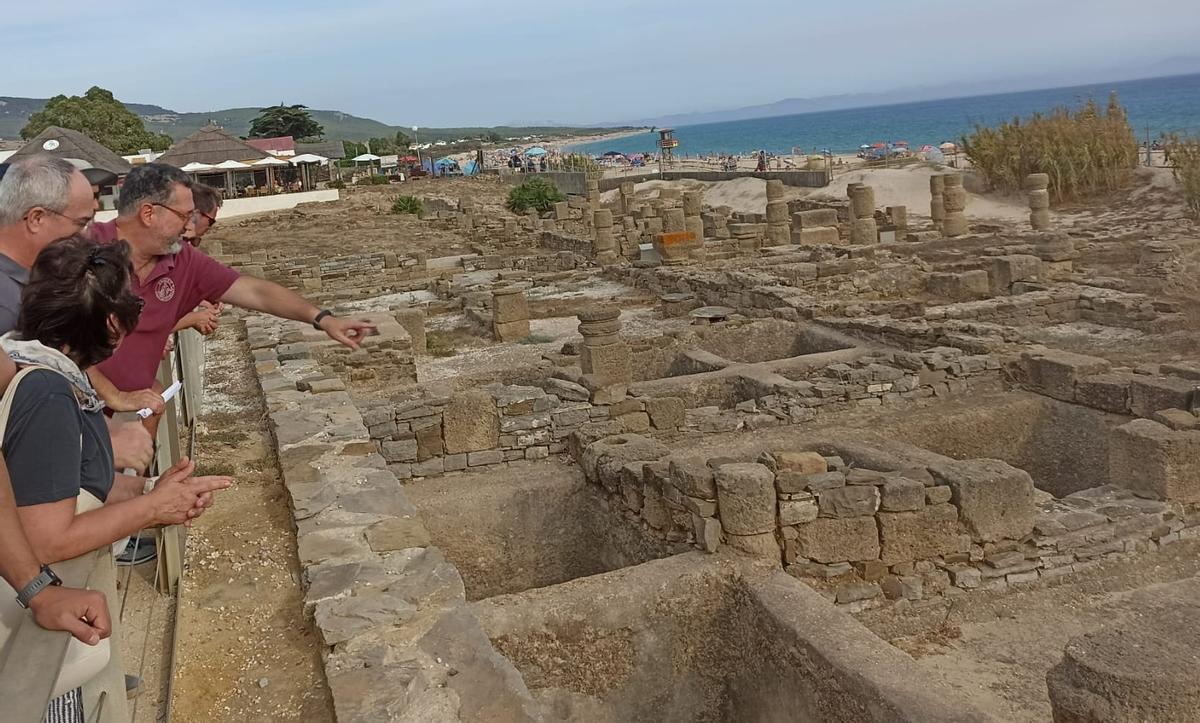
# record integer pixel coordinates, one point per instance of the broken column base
(1144, 668)
(510, 330)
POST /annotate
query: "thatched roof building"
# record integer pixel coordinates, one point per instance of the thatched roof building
(212, 145)
(66, 143)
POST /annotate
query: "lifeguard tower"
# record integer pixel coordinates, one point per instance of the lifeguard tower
(667, 143)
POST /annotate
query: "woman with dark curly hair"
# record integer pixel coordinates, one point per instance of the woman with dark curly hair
(75, 310)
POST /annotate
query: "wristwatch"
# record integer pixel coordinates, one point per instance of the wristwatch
(44, 579)
(321, 315)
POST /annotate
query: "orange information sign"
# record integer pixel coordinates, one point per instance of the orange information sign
(676, 237)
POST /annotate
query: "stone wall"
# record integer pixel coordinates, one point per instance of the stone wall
(399, 641)
(866, 520)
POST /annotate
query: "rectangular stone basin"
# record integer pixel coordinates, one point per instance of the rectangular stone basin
(698, 638)
(1063, 446)
(528, 525)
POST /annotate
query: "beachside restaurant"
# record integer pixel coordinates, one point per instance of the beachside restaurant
(214, 157)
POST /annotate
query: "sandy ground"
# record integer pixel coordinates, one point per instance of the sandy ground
(245, 650)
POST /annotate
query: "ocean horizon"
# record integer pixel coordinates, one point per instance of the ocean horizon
(1161, 105)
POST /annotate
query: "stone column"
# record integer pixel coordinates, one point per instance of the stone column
(510, 314)
(937, 200)
(955, 197)
(746, 506)
(898, 215)
(862, 209)
(604, 358)
(1037, 185)
(779, 229)
(606, 242)
(628, 196)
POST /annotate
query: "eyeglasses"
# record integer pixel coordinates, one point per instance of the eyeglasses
(184, 216)
(78, 222)
(212, 220)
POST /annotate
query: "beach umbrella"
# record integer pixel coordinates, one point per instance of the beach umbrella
(948, 146)
(926, 148)
(270, 161)
(865, 147)
(308, 158)
(536, 151)
(365, 157)
(614, 154)
(195, 167)
(232, 165)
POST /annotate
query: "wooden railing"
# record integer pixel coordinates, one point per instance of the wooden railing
(33, 656)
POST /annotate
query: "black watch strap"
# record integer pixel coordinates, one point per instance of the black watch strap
(44, 579)
(321, 315)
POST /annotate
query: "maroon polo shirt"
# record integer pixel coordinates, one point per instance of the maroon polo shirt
(178, 283)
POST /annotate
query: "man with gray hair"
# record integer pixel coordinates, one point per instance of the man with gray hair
(42, 199)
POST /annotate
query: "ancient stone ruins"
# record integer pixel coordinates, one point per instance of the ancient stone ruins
(639, 458)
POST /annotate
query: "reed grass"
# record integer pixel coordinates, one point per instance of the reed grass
(1183, 155)
(1084, 151)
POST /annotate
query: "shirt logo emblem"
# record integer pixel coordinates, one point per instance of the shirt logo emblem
(164, 290)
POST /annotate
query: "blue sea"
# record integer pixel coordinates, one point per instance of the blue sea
(1165, 105)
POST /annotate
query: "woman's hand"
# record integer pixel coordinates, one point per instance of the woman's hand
(133, 401)
(178, 497)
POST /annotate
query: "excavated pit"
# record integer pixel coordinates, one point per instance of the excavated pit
(528, 526)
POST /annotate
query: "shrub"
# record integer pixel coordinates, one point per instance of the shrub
(1183, 155)
(1084, 152)
(407, 204)
(372, 180)
(536, 193)
(579, 162)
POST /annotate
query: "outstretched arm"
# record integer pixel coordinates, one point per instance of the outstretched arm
(249, 292)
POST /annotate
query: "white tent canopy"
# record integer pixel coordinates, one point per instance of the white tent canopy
(195, 167)
(270, 161)
(232, 166)
(366, 157)
(308, 158)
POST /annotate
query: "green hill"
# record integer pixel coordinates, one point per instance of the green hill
(15, 112)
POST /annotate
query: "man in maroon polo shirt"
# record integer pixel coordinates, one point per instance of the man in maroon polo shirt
(154, 212)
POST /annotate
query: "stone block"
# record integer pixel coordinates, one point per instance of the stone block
(1107, 392)
(801, 463)
(817, 236)
(1003, 271)
(404, 450)
(1054, 373)
(746, 498)
(510, 330)
(797, 511)
(397, 533)
(487, 456)
(815, 218)
(962, 286)
(901, 495)
(938, 495)
(470, 423)
(693, 478)
(857, 591)
(1148, 458)
(920, 535)
(995, 500)
(1177, 419)
(413, 321)
(850, 539)
(858, 501)
(762, 545)
(1149, 394)
(665, 412)
(611, 362)
(509, 306)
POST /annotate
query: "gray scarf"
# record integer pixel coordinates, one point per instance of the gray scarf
(38, 354)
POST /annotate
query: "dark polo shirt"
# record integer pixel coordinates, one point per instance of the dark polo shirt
(13, 277)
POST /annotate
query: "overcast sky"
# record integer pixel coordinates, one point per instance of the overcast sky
(485, 62)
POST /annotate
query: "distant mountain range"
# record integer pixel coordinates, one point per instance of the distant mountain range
(791, 106)
(15, 112)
